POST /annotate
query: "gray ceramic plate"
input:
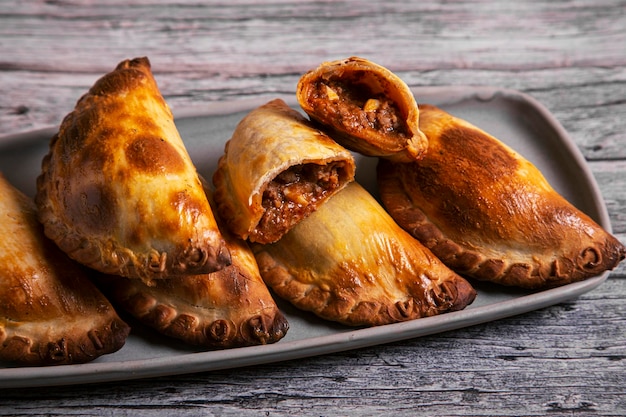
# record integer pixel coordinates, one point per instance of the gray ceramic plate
(511, 116)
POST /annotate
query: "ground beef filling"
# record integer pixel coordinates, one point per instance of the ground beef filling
(293, 195)
(354, 107)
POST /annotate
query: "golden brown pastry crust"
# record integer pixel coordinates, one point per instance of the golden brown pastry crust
(50, 313)
(228, 308)
(350, 262)
(271, 142)
(118, 191)
(365, 107)
(489, 213)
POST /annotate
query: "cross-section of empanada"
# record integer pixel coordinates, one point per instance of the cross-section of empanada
(489, 213)
(365, 107)
(350, 262)
(228, 308)
(275, 171)
(118, 191)
(50, 312)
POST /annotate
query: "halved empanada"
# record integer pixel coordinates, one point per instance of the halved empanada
(489, 213)
(228, 308)
(118, 191)
(366, 108)
(50, 312)
(350, 262)
(275, 171)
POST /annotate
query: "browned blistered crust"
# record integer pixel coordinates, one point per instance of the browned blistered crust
(228, 308)
(365, 107)
(223, 309)
(50, 313)
(350, 262)
(488, 213)
(118, 191)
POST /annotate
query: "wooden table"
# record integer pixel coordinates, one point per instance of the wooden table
(567, 359)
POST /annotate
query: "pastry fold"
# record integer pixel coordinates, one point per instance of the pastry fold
(350, 262)
(489, 213)
(365, 107)
(224, 309)
(118, 191)
(275, 171)
(50, 312)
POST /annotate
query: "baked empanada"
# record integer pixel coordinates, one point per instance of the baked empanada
(489, 213)
(350, 262)
(50, 312)
(228, 308)
(275, 171)
(365, 107)
(118, 191)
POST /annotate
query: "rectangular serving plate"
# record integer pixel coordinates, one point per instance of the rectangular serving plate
(513, 117)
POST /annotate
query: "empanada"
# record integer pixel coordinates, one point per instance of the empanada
(118, 191)
(365, 107)
(275, 171)
(350, 262)
(228, 308)
(50, 312)
(489, 213)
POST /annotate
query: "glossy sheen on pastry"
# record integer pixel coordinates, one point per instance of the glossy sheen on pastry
(489, 213)
(350, 262)
(50, 312)
(118, 191)
(275, 171)
(228, 308)
(365, 107)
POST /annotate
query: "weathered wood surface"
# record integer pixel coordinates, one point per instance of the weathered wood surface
(570, 55)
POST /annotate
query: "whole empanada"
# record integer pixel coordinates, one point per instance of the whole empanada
(489, 213)
(350, 262)
(118, 191)
(365, 107)
(275, 171)
(50, 312)
(224, 309)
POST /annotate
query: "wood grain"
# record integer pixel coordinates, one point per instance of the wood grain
(564, 360)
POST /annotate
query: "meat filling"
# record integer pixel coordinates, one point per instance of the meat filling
(354, 107)
(293, 195)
